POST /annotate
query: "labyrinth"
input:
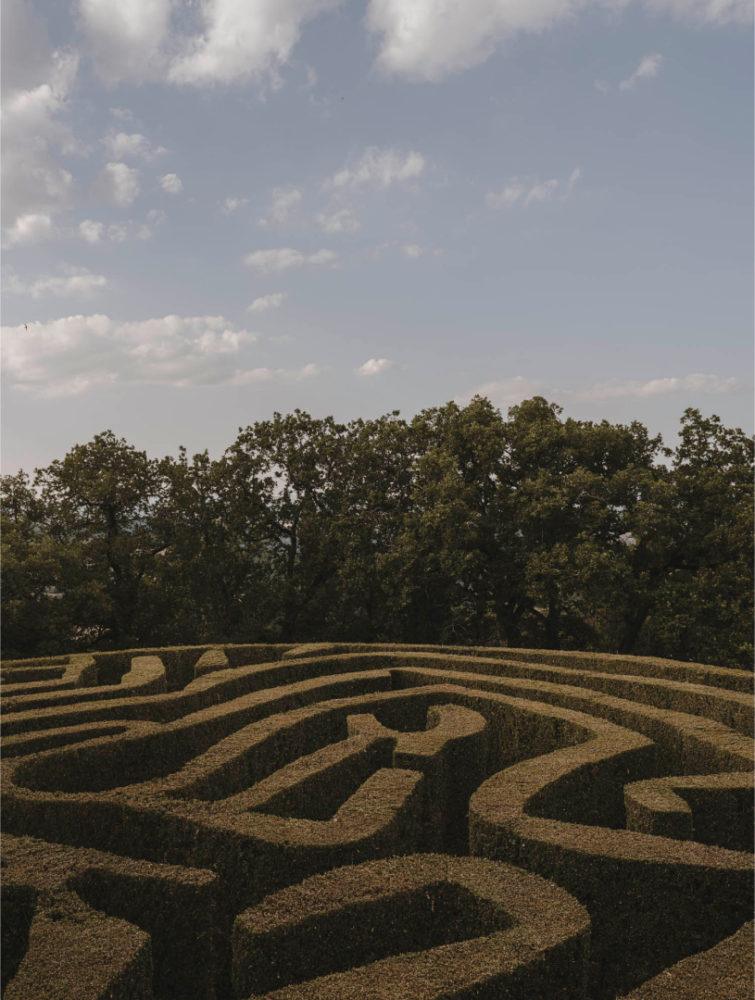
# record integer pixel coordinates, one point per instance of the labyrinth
(365, 822)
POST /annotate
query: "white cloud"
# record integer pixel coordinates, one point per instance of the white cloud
(118, 184)
(73, 281)
(327, 257)
(505, 392)
(131, 145)
(283, 258)
(28, 229)
(121, 232)
(171, 183)
(235, 41)
(376, 366)
(413, 251)
(428, 40)
(127, 41)
(574, 177)
(510, 195)
(91, 231)
(647, 69)
(380, 168)
(265, 302)
(242, 40)
(517, 193)
(338, 221)
(431, 39)
(232, 204)
(118, 232)
(252, 375)
(283, 206)
(701, 383)
(715, 12)
(68, 356)
(37, 83)
(155, 218)
(540, 192)
(280, 259)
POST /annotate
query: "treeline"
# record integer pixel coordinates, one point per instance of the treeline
(459, 526)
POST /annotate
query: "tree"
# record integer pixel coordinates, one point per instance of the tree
(693, 550)
(288, 471)
(49, 604)
(458, 526)
(100, 498)
(439, 561)
(216, 571)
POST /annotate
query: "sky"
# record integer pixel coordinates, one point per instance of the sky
(218, 209)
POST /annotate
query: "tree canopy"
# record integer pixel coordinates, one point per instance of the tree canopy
(460, 525)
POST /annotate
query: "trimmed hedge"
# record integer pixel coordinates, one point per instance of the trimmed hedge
(427, 926)
(184, 785)
(725, 971)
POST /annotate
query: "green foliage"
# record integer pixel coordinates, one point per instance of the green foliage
(459, 526)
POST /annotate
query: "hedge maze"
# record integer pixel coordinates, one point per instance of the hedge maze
(364, 822)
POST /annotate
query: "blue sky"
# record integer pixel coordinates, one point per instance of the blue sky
(213, 210)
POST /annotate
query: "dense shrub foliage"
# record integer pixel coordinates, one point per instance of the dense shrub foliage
(458, 526)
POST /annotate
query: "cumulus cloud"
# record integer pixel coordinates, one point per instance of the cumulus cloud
(431, 39)
(131, 145)
(73, 281)
(171, 183)
(715, 12)
(120, 232)
(515, 192)
(647, 69)
(37, 83)
(28, 229)
(505, 392)
(326, 257)
(413, 251)
(91, 231)
(127, 41)
(338, 221)
(380, 168)
(240, 41)
(540, 192)
(118, 184)
(284, 258)
(236, 41)
(283, 206)
(428, 40)
(252, 375)
(232, 204)
(265, 302)
(698, 382)
(376, 366)
(68, 356)
(147, 229)
(574, 176)
(310, 370)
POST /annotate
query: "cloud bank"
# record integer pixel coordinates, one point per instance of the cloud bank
(71, 355)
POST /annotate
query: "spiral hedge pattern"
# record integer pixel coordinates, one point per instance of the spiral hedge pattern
(366, 821)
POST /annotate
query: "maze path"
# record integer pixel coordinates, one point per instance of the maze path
(181, 788)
